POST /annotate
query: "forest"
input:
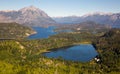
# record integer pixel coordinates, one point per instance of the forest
(14, 30)
(21, 56)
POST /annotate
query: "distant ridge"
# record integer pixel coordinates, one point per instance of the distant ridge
(88, 25)
(29, 16)
(112, 19)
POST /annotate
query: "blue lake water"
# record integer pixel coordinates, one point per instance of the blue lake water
(83, 53)
(42, 32)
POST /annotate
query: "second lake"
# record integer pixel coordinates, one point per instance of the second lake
(82, 53)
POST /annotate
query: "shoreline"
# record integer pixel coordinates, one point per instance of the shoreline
(74, 44)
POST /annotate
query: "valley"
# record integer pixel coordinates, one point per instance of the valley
(32, 42)
(25, 56)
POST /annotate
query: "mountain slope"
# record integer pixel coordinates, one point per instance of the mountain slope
(112, 19)
(30, 16)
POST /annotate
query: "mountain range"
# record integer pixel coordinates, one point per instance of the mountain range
(29, 16)
(112, 19)
(32, 16)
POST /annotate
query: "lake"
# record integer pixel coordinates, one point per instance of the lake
(42, 32)
(82, 53)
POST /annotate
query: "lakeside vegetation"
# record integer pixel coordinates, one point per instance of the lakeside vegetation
(15, 59)
(22, 56)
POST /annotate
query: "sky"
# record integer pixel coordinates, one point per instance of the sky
(55, 8)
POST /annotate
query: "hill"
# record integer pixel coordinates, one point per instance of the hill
(88, 26)
(109, 51)
(14, 30)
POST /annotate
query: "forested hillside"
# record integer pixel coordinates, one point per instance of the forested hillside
(109, 48)
(14, 30)
(88, 26)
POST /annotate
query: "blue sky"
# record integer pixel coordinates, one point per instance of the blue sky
(64, 7)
